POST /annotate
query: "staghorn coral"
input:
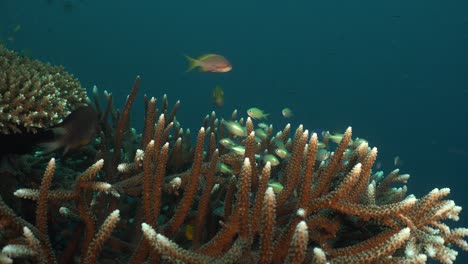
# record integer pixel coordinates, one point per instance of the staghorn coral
(338, 210)
(34, 95)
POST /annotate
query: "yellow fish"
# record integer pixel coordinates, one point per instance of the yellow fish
(335, 137)
(218, 96)
(189, 232)
(223, 168)
(257, 113)
(277, 187)
(271, 158)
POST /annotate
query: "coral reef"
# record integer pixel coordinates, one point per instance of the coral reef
(157, 198)
(34, 95)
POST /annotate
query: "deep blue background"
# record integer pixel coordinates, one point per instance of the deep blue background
(397, 71)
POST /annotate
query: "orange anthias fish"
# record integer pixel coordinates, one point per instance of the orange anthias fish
(76, 130)
(209, 63)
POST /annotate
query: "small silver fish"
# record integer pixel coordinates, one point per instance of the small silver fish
(238, 149)
(322, 154)
(227, 142)
(223, 168)
(272, 159)
(235, 128)
(262, 125)
(282, 153)
(287, 112)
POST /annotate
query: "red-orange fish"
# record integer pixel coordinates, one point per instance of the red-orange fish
(209, 63)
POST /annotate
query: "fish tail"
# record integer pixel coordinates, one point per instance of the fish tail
(192, 63)
(51, 145)
(48, 147)
(65, 150)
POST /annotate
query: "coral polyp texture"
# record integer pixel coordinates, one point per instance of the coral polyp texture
(158, 198)
(34, 95)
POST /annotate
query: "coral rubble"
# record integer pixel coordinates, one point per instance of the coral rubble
(158, 198)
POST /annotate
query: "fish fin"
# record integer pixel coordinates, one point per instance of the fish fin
(51, 146)
(192, 63)
(65, 150)
(205, 56)
(84, 142)
(59, 131)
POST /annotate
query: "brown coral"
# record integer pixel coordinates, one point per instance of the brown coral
(338, 210)
(34, 95)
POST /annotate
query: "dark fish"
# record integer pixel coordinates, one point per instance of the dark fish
(77, 130)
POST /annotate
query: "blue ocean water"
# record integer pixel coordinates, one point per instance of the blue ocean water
(396, 71)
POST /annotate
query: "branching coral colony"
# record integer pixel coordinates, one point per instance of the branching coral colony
(34, 95)
(170, 202)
